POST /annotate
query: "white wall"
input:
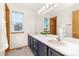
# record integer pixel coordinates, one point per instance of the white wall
(39, 23)
(64, 18)
(0, 23)
(3, 38)
(18, 40)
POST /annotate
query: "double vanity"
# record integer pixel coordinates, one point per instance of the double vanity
(48, 45)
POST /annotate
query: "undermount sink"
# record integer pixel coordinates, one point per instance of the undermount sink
(56, 42)
(53, 39)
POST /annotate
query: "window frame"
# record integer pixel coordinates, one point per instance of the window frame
(13, 31)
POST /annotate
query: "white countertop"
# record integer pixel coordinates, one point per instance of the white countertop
(68, 46)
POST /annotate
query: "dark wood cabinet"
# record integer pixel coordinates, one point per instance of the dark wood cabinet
(40, 49)
(29, 41)
(34, 46)
(32, 43)
(52, 52)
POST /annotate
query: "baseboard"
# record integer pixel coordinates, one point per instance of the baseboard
(16, 48)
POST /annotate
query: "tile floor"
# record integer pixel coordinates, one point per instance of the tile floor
(25, 51)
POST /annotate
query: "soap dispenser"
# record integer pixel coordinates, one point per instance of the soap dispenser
(60, 34)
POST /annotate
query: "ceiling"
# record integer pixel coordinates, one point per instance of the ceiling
(30, 6)
(36, 6)
(60, 7)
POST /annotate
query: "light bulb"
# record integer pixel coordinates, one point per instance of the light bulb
(43, 8)
(51, 8)
(47, 5)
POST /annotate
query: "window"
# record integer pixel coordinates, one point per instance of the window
(17, 19)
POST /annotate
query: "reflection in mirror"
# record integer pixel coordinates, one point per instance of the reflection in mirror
(45, 24)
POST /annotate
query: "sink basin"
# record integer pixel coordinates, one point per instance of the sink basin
(53, 39)
(56, 42)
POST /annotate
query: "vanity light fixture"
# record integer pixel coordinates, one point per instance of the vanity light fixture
(51, 8)
(46, 11)
(55, 5)
(44, 7)
(40, 11)
(47, 5)
(47, 8)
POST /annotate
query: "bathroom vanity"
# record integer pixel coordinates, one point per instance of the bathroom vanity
(40, 49)
(49, 46)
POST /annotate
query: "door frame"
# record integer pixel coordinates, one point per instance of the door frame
(7, 19)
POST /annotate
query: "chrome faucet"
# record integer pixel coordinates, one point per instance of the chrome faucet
(58, 39)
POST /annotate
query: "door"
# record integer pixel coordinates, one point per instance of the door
(7, 16)
(53, 25)
(75, 24)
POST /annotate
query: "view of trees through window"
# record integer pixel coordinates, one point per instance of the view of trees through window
(17, 19)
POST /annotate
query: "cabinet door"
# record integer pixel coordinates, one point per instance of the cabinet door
(52, 52)
(35, 47)
(31, 42)
(35, 44)
(42, 49)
